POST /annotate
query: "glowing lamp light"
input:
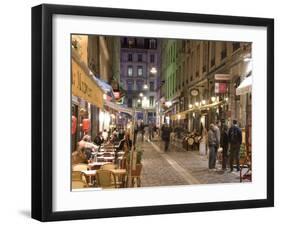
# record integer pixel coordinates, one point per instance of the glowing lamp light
(203, 102)
(139, 100)
(104, 96)
(145, 86)
(213, 99)
(247, 59)
(141, 94)
(226, 99)
(190, 106)
(153, 70)
(196, 104)
(168, 104)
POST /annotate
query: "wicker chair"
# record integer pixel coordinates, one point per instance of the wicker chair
(105, 179)
(135, 175)
(79, 167)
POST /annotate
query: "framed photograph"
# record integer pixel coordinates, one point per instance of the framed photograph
(146, 112)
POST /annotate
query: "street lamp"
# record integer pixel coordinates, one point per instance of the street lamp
(145, 86)
(190, 106)
(213, 99)
(196, 104)
(153, 70)
(203, 102)
(139, 100)
(141, 94)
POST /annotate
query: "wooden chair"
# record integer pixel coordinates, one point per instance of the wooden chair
(135, 175)
(105, 179)
(78, 180)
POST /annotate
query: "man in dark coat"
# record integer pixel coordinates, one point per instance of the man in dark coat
(224, 145)
(99, 139)
(166, 131)
(235, 140)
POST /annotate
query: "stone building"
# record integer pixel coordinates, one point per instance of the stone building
(140, 62)
(200, 82)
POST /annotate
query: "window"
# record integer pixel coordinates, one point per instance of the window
(131, 42)
(139, 85)
(198, 60)
(130, 71)
(130, 57)
(205, 56)
(223, 50)
(151, 86)
(235, 46)
(151, 101)
(152, 44)
(192, 66)
(187, 70)
(182, 74)
(130, 85)
(130, 103)
(139, 57)
(152, 58)
(213, 53)
(140, 71)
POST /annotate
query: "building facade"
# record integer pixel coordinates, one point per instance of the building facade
(100, 56)
(200, 83)
(140, 62)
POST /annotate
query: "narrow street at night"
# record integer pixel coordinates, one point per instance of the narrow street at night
(178, 167)
(151, 111)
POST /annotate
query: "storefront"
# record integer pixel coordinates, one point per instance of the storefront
(87, 100)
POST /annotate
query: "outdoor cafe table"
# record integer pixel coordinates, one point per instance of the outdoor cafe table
(96, 165)
(107, 159)
(89, 174)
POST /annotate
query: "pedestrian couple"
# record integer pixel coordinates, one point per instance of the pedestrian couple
(224, 139)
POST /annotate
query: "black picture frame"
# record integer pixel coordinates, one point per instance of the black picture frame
(42, 108)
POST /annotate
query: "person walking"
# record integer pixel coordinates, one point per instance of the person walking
(142, 131)
(166, 132)
(224, 145)
(235, 140)
(213, 146)
(150, 131)
(203, 142)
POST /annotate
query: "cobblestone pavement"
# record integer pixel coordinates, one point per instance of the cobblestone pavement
(178, 167)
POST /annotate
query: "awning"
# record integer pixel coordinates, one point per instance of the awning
(180, 115)
(245, 86)
(119, 108)
(83, 85)
(107, 89)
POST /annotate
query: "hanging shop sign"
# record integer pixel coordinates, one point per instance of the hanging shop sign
(194, 92)
(222, 77)
(85, 87)
(116, 95)
(220, 88)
